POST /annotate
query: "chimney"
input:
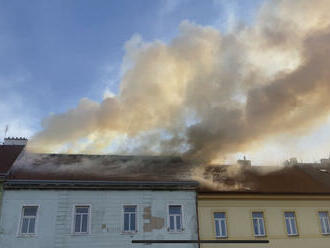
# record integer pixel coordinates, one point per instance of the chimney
(15, 141)
(244, 162)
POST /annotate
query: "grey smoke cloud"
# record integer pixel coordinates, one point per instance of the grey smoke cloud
(206, 94)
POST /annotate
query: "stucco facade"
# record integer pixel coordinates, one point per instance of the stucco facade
(239, 207)
(54, 221)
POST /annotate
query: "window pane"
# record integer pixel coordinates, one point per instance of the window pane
(130, 209)
(262, 229)
(288, 226)
(178, 222)
(217, 228)
(255, 226)
(175, 210)
(289, 214)
(219, 215)
(25, 224)
(81, 210)
(32, 225)
(257, 215)
(30, 211)
(77, 224)
(223, 228)
(172, 222)
(293, 225)
(126, 222)
(132, 226)
(84, 223)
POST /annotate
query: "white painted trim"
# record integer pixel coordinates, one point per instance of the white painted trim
(168, 218)
(22, 235)
(122, 219)
(89, 220)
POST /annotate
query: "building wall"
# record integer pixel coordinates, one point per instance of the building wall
(239, 220)
(55, 217)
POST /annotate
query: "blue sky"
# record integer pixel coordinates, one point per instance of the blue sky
(53, 53)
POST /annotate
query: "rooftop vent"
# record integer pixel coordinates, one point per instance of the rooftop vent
(12, 141)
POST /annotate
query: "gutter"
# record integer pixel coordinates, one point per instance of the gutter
(99, 185)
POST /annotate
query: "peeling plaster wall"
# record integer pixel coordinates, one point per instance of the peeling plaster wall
(55, 218)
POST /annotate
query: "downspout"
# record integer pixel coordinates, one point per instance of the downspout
(196, 202)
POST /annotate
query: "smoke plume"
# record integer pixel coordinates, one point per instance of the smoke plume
(206, 93)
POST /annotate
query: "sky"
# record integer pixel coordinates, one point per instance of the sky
(54, 53)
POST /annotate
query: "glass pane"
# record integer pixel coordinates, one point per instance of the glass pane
(293, 225)
(288, 226)
(126, 222)
(25, 224)
(82, 210)
(327, 227)
(255, 226)
(129, 208)
(77, 224)
(132, 226)
(32, 225)
(219, 215)
(289, 214)
(175, 209)
(217, 228)
(323, 214)
(257, 215)
(171, 222)
(178, 222)
(262, 228)
(84, 223)
(223, 228)
(30, 211)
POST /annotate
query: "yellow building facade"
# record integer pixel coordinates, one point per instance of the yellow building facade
(238, 210)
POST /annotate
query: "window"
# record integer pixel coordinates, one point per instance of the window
(175, 218)
(81, 219)
(28, 221)
(258, 223)
(220, 225)
(130, 219)
(324, 220)
(290, 222)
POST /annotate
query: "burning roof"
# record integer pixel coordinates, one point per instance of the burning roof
(299, 179)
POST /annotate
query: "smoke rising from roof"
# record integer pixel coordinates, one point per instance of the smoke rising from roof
(206, 93)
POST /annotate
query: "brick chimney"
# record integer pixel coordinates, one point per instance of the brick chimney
(12, 141)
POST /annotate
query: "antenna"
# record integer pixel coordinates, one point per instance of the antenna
(6, 130)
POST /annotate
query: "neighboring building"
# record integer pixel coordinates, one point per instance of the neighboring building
(9, 152)
(68, 201)
(289, 206)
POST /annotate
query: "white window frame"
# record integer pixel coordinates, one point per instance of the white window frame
(260, 222)
(19, 231)
(294, 218)
(123, 219)
(168, 219)
(322, 222)
(217, 221)
(89, 219)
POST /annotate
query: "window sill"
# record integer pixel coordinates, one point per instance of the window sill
(260, 236)
(128, 233)
(27, 236)
(80, 234)
(325, 234)
(293, 235)
(224, 237)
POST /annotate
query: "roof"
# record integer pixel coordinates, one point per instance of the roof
(111, 171)
(297, 179)
(8, 155)
(82, 167)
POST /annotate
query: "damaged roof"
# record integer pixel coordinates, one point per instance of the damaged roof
(8, 155)
(296, 179)
(82, 167)
(148, 170)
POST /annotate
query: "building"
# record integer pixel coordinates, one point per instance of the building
(289, 206)
(56, 200)
(9, 152)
